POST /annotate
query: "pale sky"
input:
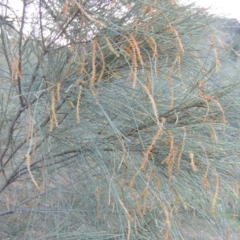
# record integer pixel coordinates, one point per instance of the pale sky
(228, 8)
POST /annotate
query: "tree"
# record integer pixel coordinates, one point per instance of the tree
(115, 121)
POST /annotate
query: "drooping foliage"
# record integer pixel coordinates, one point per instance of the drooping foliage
(119, 120)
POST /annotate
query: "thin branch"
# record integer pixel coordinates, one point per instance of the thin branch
(21, 97)
(6, 55)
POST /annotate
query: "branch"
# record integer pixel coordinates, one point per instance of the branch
(21, 97)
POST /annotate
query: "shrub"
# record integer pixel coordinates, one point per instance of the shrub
(118, 121)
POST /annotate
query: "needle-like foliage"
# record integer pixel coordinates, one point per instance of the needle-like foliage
(119, 120)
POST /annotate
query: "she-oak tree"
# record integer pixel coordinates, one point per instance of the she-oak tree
(118, 121)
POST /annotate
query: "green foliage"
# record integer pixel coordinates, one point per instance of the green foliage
(119, 120)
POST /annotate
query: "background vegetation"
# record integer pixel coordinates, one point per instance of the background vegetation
(119, 120)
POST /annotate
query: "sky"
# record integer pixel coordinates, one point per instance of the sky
(228, 8)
